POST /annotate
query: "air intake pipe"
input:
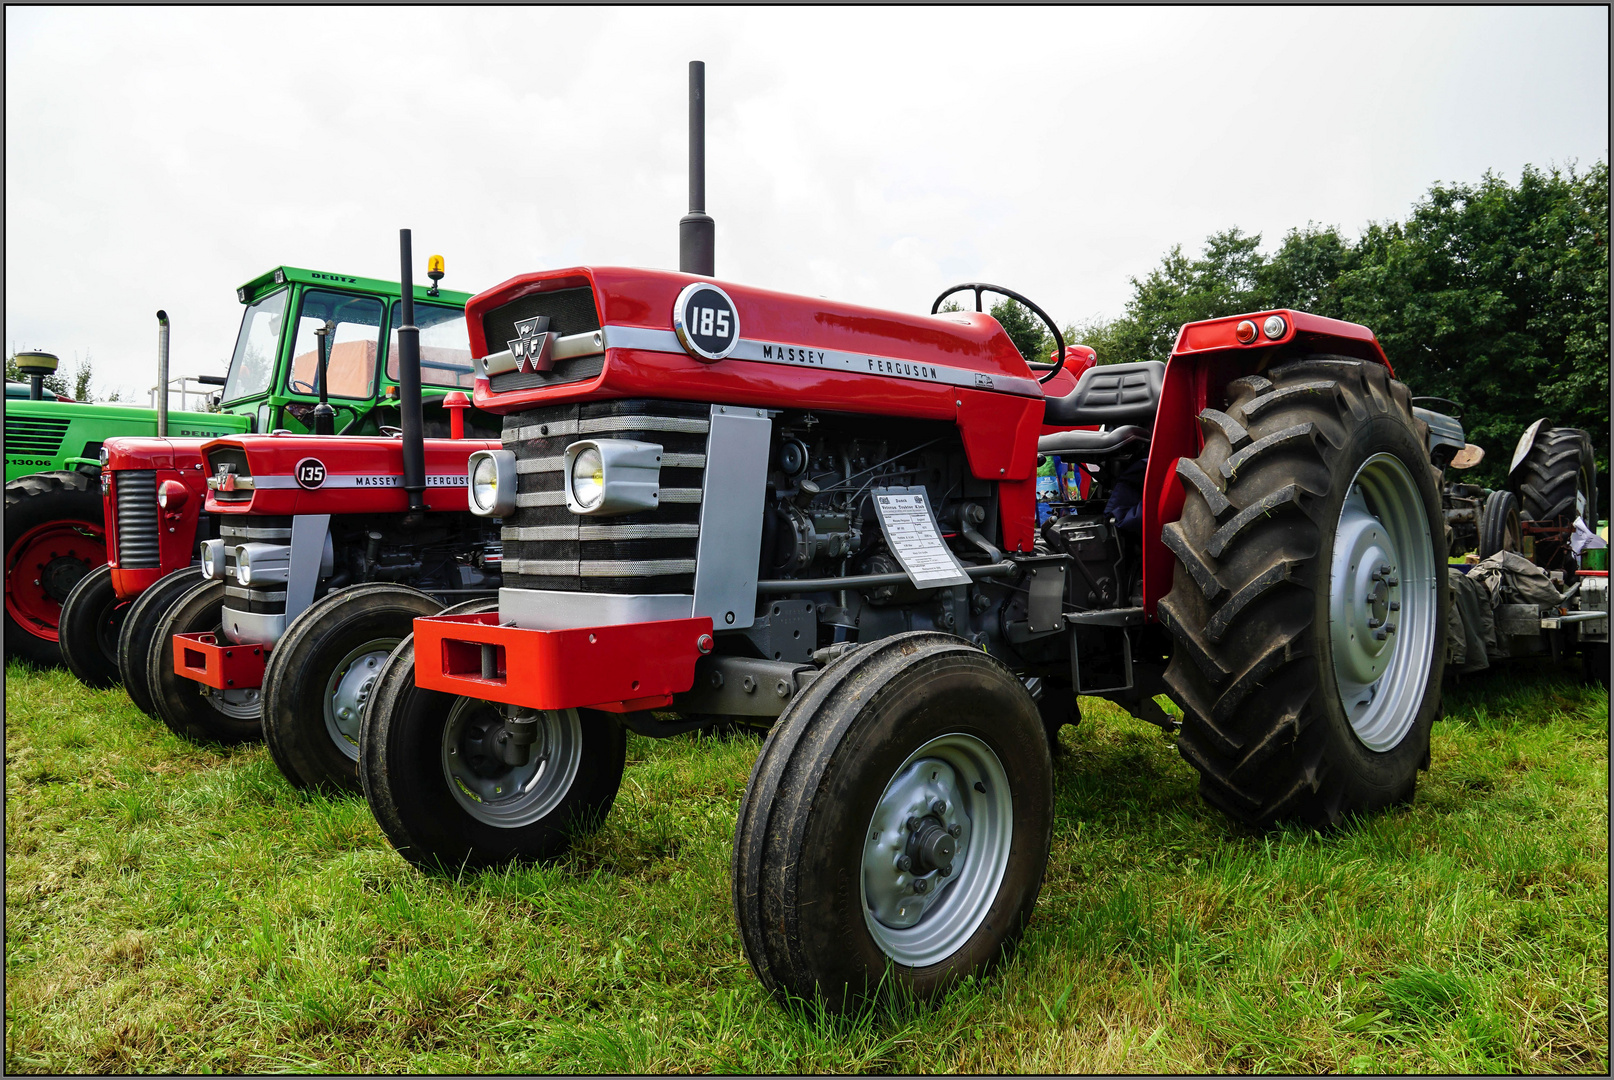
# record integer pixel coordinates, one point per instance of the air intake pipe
(697, 233)
(414, 434)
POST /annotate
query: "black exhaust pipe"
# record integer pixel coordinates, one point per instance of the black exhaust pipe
(414, 434)
(697, 233)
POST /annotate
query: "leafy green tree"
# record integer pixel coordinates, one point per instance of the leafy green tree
(1024, 329)
(1496, 296)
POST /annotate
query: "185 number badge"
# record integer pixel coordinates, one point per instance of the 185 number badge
(707, 324)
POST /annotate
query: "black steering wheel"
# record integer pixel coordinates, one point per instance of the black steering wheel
(295, 383)
(978, 287)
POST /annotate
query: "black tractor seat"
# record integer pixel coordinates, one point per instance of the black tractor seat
(1124, 441)
(1112, 395)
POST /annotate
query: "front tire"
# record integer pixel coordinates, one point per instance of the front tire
(191, 710)
(91, 619)
(1309, 600)
(898, 746)
(322, 676)
(139, 633)
(447, 804)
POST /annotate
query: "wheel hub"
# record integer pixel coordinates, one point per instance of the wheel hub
(1381, 602)
(348, 691)
(58, 576)
(495, 792)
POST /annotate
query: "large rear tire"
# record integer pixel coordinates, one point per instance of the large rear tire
(191, 710)
(896, 825)
(322, 676)
(447, 804)
(1309, 600)
(1557, 480)
(55, 535)
(139, 632)
(91, 619)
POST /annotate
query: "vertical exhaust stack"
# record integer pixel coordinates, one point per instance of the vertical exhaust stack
(697, 233)
(414, 445)
(162, 374)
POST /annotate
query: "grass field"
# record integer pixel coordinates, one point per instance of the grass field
(175, 908)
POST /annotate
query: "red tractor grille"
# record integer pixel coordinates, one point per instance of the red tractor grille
(570, 311)
(136, 527)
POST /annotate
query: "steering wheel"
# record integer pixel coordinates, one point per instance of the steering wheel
(978, 287)
(295, 383)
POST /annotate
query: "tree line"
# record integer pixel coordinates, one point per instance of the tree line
(81, 388)
(1492, 295)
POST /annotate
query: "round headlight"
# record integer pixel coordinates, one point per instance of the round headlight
(172, 496)
(588, 478)
(484, 483)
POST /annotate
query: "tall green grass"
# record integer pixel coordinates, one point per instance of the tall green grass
(171, 907)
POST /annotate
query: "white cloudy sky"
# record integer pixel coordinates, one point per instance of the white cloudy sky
(161, 157)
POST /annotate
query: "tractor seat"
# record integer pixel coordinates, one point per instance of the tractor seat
(1123, 441)
(1112, 395)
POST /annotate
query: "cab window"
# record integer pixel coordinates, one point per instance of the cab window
(445, 346)
(252, 367)
(353, 343)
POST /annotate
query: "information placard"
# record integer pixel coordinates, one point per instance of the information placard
(911, 531)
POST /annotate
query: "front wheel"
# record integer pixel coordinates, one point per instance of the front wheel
(322, 675)
(1499, 525)
(91, 619)
(896, 824)
(190, 709)
(1309, 599)
(442, 785)
(139, 633)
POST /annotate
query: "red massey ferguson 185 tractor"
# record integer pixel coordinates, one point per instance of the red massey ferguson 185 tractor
(728, 502)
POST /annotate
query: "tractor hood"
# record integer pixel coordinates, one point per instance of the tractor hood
(605, 332)
(310, 474)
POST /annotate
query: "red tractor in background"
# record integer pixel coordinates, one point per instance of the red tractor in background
(316, 552)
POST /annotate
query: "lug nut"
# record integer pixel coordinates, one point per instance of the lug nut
(1389, 628)
(945, 871)
(912, 824)
(904, 863)
(1372, 622)
(1384, 568)
(954, 830)
(938, 807)
(1395, 605)
(1392, 582)
(921, 885)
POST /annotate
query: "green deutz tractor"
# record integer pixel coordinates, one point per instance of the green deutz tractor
(54, 532)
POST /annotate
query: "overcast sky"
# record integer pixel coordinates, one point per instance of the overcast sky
(161, 157)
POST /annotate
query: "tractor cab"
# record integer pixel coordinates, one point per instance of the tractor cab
(275, 371)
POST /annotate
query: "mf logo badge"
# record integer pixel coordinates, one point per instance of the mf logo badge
(707, 324)
(310, 473)
(533, 345)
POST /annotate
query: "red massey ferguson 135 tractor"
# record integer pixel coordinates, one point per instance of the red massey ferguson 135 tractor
(317, 552)
(729, 502)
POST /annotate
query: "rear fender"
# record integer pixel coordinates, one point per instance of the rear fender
(1527, 442)
(1208, 356)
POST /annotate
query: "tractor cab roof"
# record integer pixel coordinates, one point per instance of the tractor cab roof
(271, 280)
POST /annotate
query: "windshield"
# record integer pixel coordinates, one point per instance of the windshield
(252, 368)
(353, 344)
(445, 346)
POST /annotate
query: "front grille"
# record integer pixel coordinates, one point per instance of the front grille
(236, 459)
(136, 527)
(270, 599)
(34, 435)
(570, 311)
(546, 546)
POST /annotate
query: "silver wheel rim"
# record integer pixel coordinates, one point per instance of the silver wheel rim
(236, 704)
(1381, 603)
(348, 690)
(914, 928)
(509, 796)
